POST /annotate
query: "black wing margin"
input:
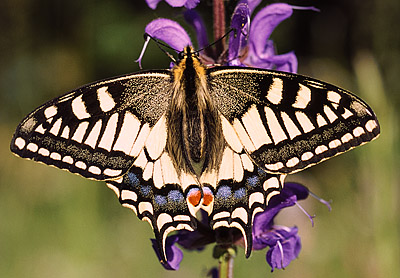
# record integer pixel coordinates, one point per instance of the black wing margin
(96, 130)
(287, 122)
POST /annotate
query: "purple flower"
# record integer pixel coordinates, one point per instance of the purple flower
(189, 4)
(249, 46)
(255, 43)
(283, 242)
(174, 254)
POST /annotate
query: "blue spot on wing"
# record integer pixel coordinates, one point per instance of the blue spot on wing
(224, 192)
(240, 193)
(253, 181)
(175, 196)
(145, 190)
(133, 179)
(160, 200)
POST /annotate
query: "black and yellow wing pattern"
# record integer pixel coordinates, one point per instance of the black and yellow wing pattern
(249, 128)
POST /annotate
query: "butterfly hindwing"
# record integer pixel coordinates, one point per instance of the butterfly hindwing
(161, 203)
(99, 129)
(288, 122)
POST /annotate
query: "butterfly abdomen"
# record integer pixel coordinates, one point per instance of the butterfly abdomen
(194, 134)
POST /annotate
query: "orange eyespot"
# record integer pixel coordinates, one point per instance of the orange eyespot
(194, 197)
(208, 197)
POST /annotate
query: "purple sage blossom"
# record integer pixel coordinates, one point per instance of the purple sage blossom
(189, 4)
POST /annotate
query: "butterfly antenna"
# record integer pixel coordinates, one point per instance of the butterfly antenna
(159, 43)
(217, 41)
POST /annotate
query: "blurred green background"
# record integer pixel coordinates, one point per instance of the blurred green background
(55, 224)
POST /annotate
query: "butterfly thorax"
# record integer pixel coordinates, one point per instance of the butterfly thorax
(194, 129)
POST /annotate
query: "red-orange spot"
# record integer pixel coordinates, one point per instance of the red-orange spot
(208, 197)
(194, 197)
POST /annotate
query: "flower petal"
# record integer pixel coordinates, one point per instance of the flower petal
(176, 3)
(194, 19)
(170, 32)
(174, 254)
(191, 4)
(153, 3)
(265, 22)
(285, 250)
(240, 22)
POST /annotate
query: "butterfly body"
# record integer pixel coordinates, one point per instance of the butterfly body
(172, 142)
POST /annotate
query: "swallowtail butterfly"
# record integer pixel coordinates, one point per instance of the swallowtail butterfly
(171, 142)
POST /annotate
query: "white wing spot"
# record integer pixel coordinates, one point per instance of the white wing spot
(358, 131)
(56, 127)
(320, 120)
(346, 138)
(292, 162)
(94, 170)
(226, 168)
(140, 140)
(91, 140)
(112, 172)
(370, 125)
(247, 164)
(330, 114)
(255, 127)
(333, 97)
(32, 147)
(141, 160)
(274, 94)
(55, 156)
(157, 138)
(44, 152)
(68, 159)
(129, 130)
(237, 168)
(334, 144)
(108, 136)
(320, 149)
(50, 111)
(244, 137)
(20, 143)
(290, 126)
(274, 167)
(128, 195)
(145, 206)
(81, 165)
(307, 156)
(240, 213)
(303, 97)
(256, 197)
(65, 133)
(347, 113)
(168, 170)
(304, 121)
(222, 214)
(40, 129)
(274, 126)
(80, 132)
(271, 183)
(157, 174)
(148, 171)
(105, 99)
(230, 135)
(163, 219)
(79, 108)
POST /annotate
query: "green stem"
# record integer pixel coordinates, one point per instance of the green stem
(226, 263)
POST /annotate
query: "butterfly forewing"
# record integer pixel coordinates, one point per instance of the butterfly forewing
(288, 122)
(97, 130)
